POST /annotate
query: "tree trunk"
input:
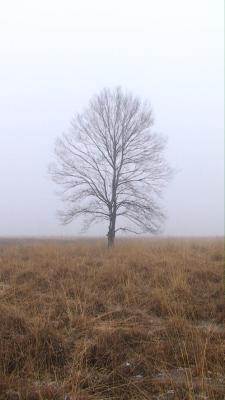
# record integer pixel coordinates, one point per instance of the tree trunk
(111, 239)
(111, 232)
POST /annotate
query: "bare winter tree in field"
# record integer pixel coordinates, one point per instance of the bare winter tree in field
(111, 166)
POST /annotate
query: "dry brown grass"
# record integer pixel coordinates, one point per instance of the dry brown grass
(142, 321)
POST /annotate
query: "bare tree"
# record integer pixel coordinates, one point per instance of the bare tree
(111, 166)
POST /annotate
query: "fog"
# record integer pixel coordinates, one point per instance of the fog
(55, 55)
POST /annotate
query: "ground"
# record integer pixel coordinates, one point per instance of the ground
(144, 320)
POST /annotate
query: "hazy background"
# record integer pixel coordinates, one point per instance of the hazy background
(56, 54)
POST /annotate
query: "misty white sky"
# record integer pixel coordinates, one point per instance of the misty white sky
(56, 54)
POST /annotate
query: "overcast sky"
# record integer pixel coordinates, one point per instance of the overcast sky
(56, 54)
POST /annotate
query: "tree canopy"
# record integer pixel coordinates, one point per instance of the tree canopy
(111, 165)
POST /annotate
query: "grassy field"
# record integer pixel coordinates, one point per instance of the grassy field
(142, 321)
